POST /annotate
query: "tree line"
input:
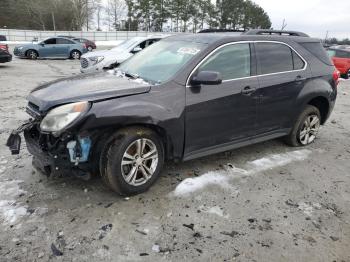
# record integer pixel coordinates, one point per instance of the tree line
(147, 15)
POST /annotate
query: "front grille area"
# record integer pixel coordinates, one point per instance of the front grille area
(84, 63)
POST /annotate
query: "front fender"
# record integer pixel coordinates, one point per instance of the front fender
(163, 109)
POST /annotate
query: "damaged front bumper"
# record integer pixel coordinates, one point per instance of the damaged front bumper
(67, 154)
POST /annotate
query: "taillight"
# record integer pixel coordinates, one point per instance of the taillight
(4, 47)
(336, 77)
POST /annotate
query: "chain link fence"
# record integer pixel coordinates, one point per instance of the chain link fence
(30, 35)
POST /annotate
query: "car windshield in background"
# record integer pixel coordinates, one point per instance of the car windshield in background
(162, 60)
(127, 44)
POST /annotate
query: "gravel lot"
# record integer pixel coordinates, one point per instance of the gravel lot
(266, 202)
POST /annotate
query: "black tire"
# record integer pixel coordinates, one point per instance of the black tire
(113, 153)
(293, 139)
(32, 54)
(347, 75)
(89, 48)
(75, 54)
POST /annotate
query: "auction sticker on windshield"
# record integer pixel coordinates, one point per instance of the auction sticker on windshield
(188, 50)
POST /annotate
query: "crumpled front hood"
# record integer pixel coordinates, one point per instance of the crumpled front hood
(87, 87)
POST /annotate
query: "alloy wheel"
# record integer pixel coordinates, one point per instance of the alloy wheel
(139, 162)
(348, 74)
(32, 55)
(75, 55)
(309, 129)
(89, 48)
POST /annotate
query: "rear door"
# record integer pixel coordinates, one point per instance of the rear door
(224, 113)
(282, 74)
(63, 47)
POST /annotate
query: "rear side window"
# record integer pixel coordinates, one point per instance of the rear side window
(342, 54)
(317, 50)
(297, 61)
(232, 61)
(62, 41)
(274, 58)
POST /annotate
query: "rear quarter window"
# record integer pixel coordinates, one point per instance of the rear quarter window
(318, 51)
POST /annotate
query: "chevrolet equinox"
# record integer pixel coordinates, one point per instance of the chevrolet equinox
(184, 97)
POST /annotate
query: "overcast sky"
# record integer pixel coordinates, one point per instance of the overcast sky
(314, 17)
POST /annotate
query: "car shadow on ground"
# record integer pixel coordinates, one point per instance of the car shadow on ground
(172, 174)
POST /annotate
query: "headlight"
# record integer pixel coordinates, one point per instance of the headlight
(60, 117)
(96, 59)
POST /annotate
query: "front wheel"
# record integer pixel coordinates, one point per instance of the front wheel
(132, 160)
(347, 75)
(75, 54)
(306, 127)
(32, 54)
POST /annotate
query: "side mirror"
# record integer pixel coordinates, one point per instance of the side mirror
(136, 49)
(207, 78)
(42, 44)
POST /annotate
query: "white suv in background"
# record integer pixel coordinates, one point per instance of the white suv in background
(108, 59)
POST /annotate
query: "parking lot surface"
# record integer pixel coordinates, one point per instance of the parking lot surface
(266, 202)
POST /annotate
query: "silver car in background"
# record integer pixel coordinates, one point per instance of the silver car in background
(108, 59)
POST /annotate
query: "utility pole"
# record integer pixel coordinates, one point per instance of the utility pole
(53, 21)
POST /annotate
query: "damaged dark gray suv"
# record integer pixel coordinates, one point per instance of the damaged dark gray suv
(184, 97)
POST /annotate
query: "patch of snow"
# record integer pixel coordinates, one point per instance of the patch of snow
(277, 160)
(156, 248)
(10, 210)
(223, 177)
(308, 208)
(190, 185)
(216, 210)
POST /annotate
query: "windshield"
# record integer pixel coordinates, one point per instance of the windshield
(161, 61)
(127, 44)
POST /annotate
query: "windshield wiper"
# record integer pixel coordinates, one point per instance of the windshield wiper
(133, 76)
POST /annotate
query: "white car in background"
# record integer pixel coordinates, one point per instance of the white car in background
(108, 59)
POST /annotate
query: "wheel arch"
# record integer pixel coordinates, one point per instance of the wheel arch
(322, 104)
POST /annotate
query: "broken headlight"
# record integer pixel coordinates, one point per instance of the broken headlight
(60, 117)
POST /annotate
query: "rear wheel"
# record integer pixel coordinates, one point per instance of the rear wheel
(306, 127)
(89, 48)
(75, 54)
(32, 54)
(132, 160)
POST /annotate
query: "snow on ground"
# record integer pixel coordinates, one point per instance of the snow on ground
(10, 209)
(223, 177)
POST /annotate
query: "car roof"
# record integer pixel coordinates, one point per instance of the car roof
(209, 38)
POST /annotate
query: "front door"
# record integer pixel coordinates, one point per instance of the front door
(225, 113)
(48, 48)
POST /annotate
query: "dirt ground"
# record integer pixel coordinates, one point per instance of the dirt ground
(266, 202)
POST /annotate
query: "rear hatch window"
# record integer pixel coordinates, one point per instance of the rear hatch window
(317, 50)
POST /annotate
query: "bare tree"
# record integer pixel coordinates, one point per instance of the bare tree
(115, 11)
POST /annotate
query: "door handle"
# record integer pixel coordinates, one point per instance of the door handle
(248, 90)
(300, 78)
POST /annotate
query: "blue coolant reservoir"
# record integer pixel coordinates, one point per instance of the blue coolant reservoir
(85, 145)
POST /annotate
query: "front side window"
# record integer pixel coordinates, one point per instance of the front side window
(162, 60)
(232, 61)
(51, 41)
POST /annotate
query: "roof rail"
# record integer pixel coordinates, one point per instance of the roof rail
(213, 30)
(274, 32)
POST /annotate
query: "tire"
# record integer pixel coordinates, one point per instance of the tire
(347, 75)
(32, 54)
(89, 48)
(306, 127)
(122, 166)
(75, 54)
